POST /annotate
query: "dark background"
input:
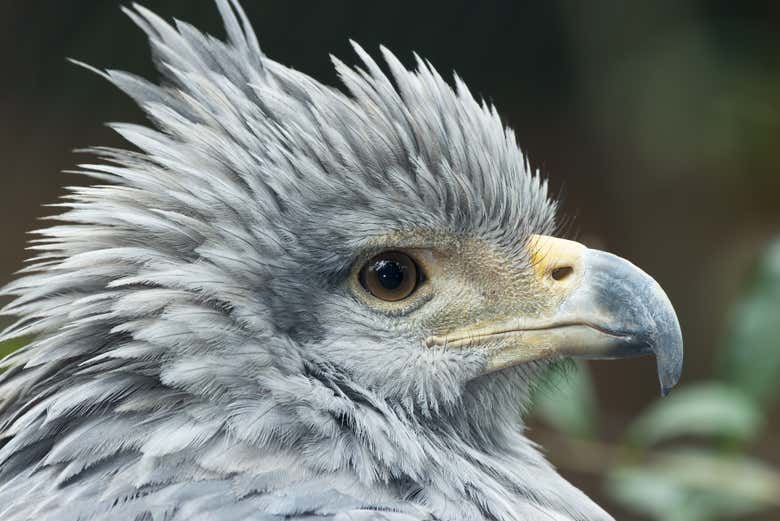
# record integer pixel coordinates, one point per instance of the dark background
(658, 122)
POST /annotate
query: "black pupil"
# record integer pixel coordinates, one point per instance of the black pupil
(390, 273)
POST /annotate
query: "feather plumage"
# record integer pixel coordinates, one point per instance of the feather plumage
(180, 367)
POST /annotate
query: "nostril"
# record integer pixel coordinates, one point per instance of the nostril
(561, 272)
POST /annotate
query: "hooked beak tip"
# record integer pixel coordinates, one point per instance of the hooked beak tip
(621, 297)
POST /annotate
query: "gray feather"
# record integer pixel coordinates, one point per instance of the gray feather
(195, 355)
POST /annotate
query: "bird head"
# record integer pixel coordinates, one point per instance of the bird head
(291, 264)
(422, 315)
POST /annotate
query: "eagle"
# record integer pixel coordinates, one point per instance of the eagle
(287, 301)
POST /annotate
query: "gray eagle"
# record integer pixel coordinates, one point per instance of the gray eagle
(291, 302)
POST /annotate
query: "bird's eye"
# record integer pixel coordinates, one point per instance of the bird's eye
(390, 276)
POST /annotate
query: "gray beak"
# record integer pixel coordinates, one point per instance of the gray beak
(605, 307)
(630, 310)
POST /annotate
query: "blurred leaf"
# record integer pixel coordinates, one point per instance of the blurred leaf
(653, 494)
(567, 402)
(696, 485)
(9, 346)
(707, 409)
(751, 356)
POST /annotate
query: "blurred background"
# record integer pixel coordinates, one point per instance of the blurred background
(657, 123)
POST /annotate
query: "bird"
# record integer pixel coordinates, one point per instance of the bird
(290, 301)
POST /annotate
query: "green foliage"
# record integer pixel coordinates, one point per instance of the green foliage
(704, 409)
(687, 457)
(567, 401)
(695, 485)
(750, 358)
(9, 346)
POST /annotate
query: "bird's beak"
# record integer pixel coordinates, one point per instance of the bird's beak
(605, 308)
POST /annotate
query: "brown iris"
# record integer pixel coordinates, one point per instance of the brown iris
(390, 276)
